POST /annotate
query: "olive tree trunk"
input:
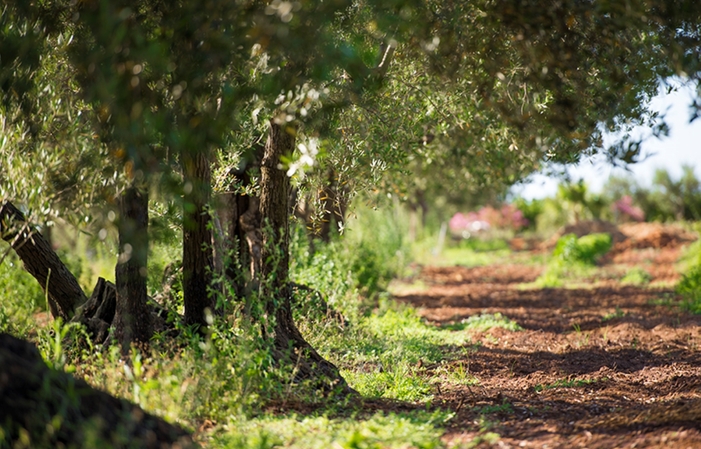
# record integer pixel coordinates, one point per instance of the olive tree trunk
(133, 319)
(198, 262)
(289, 345)
(39, 259)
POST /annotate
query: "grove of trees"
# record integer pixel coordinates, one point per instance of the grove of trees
(232, 109)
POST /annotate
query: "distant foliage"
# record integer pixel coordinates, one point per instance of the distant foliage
(667, 199)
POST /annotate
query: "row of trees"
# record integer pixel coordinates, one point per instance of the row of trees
(109, 107)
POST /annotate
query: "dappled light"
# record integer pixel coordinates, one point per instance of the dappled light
(240, 224)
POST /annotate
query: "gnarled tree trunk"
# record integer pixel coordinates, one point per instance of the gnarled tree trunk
(132, 319)
(40, 260)
(289, 345)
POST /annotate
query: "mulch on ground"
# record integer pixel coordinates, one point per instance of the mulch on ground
(604, 366)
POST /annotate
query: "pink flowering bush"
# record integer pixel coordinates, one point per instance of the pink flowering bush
(625, 209)
(506, 217)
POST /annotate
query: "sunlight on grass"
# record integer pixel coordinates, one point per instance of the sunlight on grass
(401, 383)
(564, 383)
(455, 374)
(467, 257)
(486, 321)
(379, 355)
(421, 430)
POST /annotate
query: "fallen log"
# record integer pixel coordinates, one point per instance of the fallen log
(43, 408)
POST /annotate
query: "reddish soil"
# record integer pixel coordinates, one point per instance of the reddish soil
(609, 366)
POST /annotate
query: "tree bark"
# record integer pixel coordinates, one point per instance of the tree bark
(32, 396)
(289, 346)
(39, 259)
(240, 218)
(198, 262)
(132, 319)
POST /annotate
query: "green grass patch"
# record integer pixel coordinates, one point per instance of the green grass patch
(21, 297)
(421, 430)
(467, 257)
(618, 313)
(503, 408)
(484, 322)
(636, 276)
(564, 383)
(455, 374)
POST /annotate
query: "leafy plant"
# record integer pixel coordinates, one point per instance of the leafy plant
(586, 249)
(573, 257)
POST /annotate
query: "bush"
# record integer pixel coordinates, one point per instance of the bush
(573, 256)
(586, 249)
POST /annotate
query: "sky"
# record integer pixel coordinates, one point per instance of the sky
(682, 146)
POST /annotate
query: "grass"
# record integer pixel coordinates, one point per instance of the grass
(419, 430)
(228, 383)
(636, 276)
(22, 297)
(565, 383)
(618, 313)
(483, 322)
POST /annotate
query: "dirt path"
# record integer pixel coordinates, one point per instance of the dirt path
(602, 367)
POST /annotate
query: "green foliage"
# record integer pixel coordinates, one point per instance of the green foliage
(371, 253)
(618, 313)
(531, 210)
(573, 257)
(636, 276)
(689, 287)
(585, 250)
(667, 199)
(22, 297)
(565, 383)
(488, 321)
(420, 430)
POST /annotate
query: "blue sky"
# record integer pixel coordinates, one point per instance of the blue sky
(682, 146)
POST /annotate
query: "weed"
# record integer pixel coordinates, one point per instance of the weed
(636, 276)
(618, 313)
(564, 383)
(486, 321)
(456, 374)
(419, 429)
(504, 408)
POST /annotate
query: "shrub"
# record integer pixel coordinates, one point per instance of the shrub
(573, 256)
(586, 249)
